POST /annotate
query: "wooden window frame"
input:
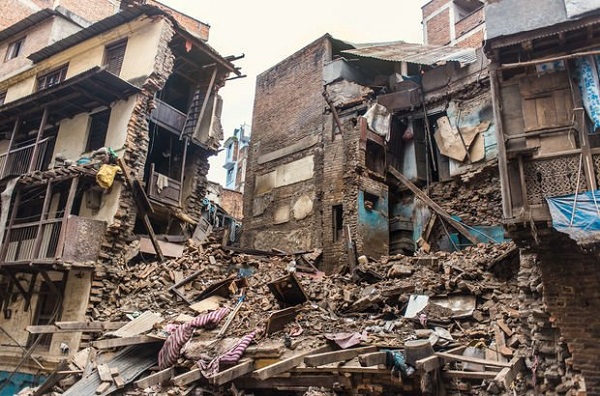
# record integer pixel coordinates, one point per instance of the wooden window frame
(14, 49)
(115, 50)
(43, 81)
(94, 118)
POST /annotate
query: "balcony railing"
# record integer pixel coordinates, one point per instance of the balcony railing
(21, 244)
(19, 159)
(164, 189)
(168, 116)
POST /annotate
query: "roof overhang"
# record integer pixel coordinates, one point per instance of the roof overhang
(78, 94)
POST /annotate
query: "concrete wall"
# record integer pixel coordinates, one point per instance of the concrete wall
(284, 175)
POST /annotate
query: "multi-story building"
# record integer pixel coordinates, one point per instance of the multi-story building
(135, 88)
(332, 119)
(236, 157)
(544, 76)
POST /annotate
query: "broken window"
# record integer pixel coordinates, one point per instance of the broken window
(338, 222)
(371, 201)
(52, 78)
(14, 49)
(47, 311)
(114, 55)
(375, 157)
(98, 129)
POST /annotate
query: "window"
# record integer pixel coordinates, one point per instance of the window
(2, 97)
(338, 222)
(47, 311)
(230, 178)
(113, 56)
(98, 129)
(14, 49)
(54, 77)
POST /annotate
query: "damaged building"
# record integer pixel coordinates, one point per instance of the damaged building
(333, 124)
(544, 76)
(106, 133)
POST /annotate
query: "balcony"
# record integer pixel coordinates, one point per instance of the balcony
(18, 160)
(164, 189)
(168, 117)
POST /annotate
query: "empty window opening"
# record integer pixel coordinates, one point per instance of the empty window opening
(114, 55)
(371, 201)
(47, 311)
(375, 157)
(98, 130)
(338, 222)
(14, 49)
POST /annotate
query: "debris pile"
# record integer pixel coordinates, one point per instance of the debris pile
(226, 319)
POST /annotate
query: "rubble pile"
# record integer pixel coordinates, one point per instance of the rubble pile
(277, 308)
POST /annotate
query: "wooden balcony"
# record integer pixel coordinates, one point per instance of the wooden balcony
(168, 117)
(18, 160)
(163, 189)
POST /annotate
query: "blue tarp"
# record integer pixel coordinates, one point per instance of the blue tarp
(577, 214)
(587, 70)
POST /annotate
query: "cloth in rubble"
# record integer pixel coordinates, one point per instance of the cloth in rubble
(169, 353)
(106, 175)
(396, 360)
(210, 368)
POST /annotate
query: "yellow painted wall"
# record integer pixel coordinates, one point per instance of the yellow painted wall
(120, 114)
(108, 207)
(72, 136)
(142, 36)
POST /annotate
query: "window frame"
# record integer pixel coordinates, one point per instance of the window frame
(3, 97)
(115, 46)
(92, 118)
(10, 50)
(62, 74)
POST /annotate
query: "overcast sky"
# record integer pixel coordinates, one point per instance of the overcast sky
(268, 31)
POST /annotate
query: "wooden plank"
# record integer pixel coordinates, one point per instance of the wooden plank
(91, 363)
(451, 357)
(505, 327)
(187, 378)
(508, 374)
(104, 373)
(242, 368)
(103, 387)
(433, 362)
(469, 374)
(119, 342)
(438, 209)
(157, 378)
(139, 325)
(91, 326)
(168, 249)
(336, 356)
(287, 364)
(373, 358)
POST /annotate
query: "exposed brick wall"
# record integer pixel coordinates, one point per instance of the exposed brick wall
(91, 10)
(471, 21)
(12, 12)
(188, 23)
(438, 28)
(473, 41)
(288, 107)
(231, 201)
(433, 6)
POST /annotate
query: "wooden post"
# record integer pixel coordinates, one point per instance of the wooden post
(68, 206)
(10, 144)
(429, 202)
(205, 102)
(43, 216)
(502, 161)
(36, 148)
(145, 218)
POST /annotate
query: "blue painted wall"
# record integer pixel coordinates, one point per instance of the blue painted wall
(17, 382)
(373, 225)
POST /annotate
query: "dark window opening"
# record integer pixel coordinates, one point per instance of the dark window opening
(165, 152)
(54, 77)
(371, 201)
(375, 157)
(98, 129)
(114, 55)
(2, 98)
(14, 49)
(338, 222)
(47, 311)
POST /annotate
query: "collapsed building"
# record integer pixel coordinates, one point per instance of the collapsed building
(107, 128)
(332, 119)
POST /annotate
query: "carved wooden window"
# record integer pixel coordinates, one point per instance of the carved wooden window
(546, 101)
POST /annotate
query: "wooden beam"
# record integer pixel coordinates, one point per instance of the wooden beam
(508, 374)
(119, 342)
(433, 362)
(438, 209)
(187, 378)
(244, 367)
(336, 356)
(451, 357)
(469, 374)
(373, 358)
(545, 60)
(204, 103)
(36, 148)
(157, 378)
(289, 363)
(91, 326)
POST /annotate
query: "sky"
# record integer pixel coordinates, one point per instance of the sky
(268, 31)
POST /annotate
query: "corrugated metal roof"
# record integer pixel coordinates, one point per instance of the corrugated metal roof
(401, 51)
(26, 23)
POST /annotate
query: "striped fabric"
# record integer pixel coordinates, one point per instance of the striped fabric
(169, 353)
(211, 368)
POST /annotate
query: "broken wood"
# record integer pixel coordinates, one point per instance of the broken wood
(119, 342)
(438, 209)
(103, 387)
(287, 364)
(373, 358)
(157, 378)
(336, 356)
(453, 358)
(104, 373)
(244, 367)
(187, 378)
(508, 374)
